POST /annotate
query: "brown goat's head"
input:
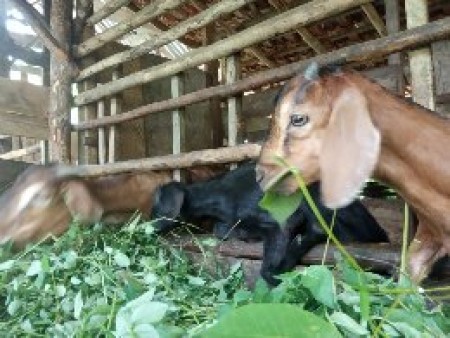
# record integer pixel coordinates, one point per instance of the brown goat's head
(322, 126)
(42, 201)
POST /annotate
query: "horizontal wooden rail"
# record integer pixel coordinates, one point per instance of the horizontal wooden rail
(169, 162)
(361, 52)
(146, 14)
(197, 21)
(301, 15)
(108, 8)
(11, 155)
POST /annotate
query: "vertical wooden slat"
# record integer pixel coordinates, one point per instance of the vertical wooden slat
(392, 14)
(4, 62)
(115, 109)
(178, 127)
(88, 140)
(101, 134)
(420, 60)
(234, 103)
(212, 79)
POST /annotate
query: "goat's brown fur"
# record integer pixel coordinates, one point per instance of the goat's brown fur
(41, 202)
(357, 129)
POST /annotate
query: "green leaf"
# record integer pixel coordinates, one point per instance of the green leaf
(145, 331)
(121, 259)
(319, 280)
(5, 266)
(197, 281)
(271, 320)
(35, 268)
(281, 207)
(348, 323)
(77, 305)
(150, 313)
(14, 306)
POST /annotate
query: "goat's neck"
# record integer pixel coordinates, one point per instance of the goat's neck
(414, 155)
(204, 199)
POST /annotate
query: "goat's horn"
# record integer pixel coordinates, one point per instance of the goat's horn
(312, 72)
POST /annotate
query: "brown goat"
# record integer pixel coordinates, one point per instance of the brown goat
(44, 199)
(341, 128)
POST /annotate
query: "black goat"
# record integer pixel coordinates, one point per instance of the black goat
(232, 201)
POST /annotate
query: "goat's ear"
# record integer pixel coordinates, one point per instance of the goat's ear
(350, 149)
(81, 203)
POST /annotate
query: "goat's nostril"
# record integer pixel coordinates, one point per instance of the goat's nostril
(259, 174)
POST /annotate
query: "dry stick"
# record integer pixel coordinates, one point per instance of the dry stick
(42, 29)
(169, 162)
(361, 52)
(301, 15)
(146, 14)
(108, 8)
(195, 22)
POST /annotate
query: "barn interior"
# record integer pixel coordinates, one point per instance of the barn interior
(132, 85)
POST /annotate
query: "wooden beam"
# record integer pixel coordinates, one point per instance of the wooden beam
(170, 162)
(197, 21)
(309, 12)
(375, 18)
(14, 154)
(60, 84)
(420, 60)
(84, 8)
(358, 53)
(392, 14)
(304, 33)
(178, 125)
(146, 14)
(59, 48)
(108, 8)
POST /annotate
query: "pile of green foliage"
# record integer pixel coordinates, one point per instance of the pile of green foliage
(129, 282)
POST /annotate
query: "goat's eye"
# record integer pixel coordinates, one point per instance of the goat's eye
(299, 120)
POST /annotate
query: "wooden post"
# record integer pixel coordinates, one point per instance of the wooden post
(420, 60)
(212, 79)
(178, 127)
(45, 149)
(60, 84)
(392, 14)
(233, 73)
(101, 134)
(115, 109)
(87, 141)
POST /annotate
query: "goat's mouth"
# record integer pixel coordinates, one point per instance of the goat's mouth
(281, 182)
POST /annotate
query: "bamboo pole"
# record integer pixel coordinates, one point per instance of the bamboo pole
(115, 109)
(37, 22)
(108, 8)
(301, 15)
(197, 21)
(146, 14)
(420, 60)
(170, 162)
(60, 83)
(101, 133)
(361, 52)
(178, 125)
(374, 18)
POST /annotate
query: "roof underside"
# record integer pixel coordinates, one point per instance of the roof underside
(332, 33)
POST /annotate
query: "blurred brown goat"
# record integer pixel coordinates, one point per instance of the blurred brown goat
(44, 199)
(341, 128)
